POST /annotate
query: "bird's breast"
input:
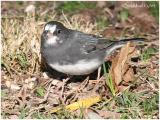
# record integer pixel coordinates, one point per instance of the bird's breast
(81, 67)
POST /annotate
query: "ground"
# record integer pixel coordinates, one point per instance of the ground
(30, 89)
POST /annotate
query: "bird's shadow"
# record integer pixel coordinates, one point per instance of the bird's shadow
(76, 78)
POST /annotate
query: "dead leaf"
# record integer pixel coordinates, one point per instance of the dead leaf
(122, 88)
(108, 114)
(90, 114)
(120, 69)
(119, 64)
(129, 75)
(84, 103)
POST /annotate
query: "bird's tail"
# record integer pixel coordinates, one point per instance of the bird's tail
(118, 44)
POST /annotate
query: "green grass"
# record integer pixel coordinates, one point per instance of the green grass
(40, 91)
(148, 53)
(128, 99)
(73, 6)
(21, 57)
(109, 80)
(154, 9)
(150, 105)
(23, 113)
(101, 22)
(133, 105)
(124, 14)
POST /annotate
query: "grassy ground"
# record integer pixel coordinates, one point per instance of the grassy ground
(28, 92)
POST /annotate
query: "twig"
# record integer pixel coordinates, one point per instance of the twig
(32, 110)
(64, 82)
(81, 85)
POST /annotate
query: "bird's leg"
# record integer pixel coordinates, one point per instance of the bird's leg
(99, 73)
(98, 76)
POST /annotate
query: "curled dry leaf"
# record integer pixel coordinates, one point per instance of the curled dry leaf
(120, 69)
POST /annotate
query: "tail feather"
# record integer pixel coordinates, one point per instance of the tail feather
(118, 44)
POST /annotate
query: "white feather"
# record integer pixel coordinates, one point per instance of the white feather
(52, 40)
(109, 51)
(51, 28)
(80, 68)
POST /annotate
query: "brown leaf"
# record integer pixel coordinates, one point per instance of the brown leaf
(129, 75)
(122, 88)
(108, 114)
(119, 65)
(90, 114)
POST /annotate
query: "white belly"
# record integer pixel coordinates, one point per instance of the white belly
(82, 67)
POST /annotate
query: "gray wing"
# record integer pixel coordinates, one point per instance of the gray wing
(91, 43)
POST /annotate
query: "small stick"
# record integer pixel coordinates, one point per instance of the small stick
(64, 82)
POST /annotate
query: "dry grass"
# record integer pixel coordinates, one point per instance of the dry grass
(21, 37)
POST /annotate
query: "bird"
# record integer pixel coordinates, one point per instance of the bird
(74, 52)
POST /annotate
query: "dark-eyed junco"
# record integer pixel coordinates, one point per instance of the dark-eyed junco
(74, 52)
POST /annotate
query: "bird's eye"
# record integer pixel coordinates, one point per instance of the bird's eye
(59, 31)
